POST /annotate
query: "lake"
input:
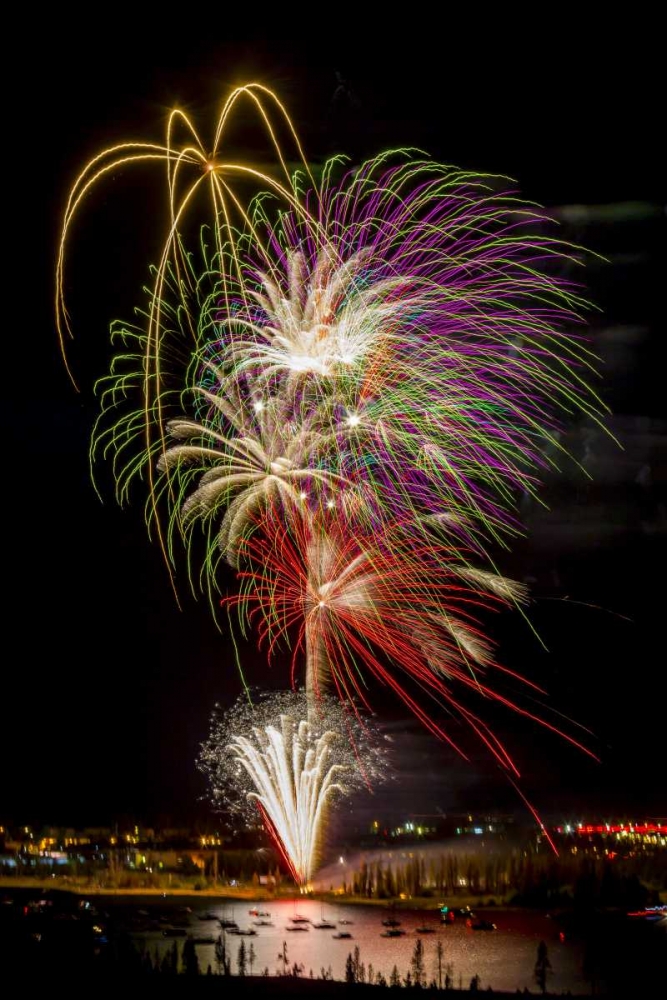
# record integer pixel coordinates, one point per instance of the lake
(503, 959)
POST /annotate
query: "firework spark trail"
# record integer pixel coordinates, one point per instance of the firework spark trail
(397, 326)
(415, 606)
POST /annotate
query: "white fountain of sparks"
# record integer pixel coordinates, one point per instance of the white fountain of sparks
(295, 775)
(292, 756)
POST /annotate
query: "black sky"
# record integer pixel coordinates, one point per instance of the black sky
(107, 686)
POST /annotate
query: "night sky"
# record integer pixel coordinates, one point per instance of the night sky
(107, 687)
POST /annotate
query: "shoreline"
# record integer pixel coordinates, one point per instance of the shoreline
(254, 895)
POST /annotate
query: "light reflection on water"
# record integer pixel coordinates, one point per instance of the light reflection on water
(504, 959)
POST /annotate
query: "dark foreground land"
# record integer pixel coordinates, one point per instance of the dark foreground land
(287, 986)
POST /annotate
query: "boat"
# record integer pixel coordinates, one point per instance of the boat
(323, 923)
(393, 932)
(242, 931)
(227, 924)
(425, 930)
(263, 913)
(298, 919)
(340, 935)
(391, 922)
(254, 912)
(263, 923)
(297, 927)
(484, 925)
(346, 922)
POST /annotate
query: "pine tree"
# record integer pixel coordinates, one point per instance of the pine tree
(189, 958)
(542, 966)
(241, 959)
(350, 975)
(395, 979)
(251, 956)
(221, 957)
(439, 955)
(282, 957)
(417, 964)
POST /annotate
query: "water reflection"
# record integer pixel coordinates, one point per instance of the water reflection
(503, 959)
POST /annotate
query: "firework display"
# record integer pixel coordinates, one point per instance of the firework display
(343, 392)
(283, 762)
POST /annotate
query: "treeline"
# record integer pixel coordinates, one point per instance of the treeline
(426, 969)
(223, 867)
(523, 878)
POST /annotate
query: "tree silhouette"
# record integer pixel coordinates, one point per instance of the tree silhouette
(439, 955)
(189, 958)
(170, 961)
(282, 957)
(221, 957)
(542, 966)
(417, 964)
(241, 960)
